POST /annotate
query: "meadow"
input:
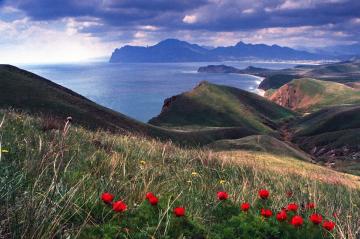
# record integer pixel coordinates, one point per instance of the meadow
(53, 175)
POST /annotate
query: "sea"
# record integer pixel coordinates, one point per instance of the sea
(138, 90)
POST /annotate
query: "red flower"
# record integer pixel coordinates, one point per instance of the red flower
(310, 205)
(316, 218)
(222, 195)
(266, 212)
(149, 195)
(292, 207)
(245, 206)
(329, 225)
(153, 200)
(281, 216)
(119, 206)
(179, 211)
(107, 197)
(263, 193)
(297, 221)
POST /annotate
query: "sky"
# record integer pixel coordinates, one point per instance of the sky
(45, 31)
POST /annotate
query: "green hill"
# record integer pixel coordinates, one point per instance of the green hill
(310, 94)
(25, 91)
(331, 135)
(210, 105)
(29, 92)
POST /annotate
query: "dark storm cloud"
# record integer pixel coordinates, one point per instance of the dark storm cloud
(112, 11)
(235, 15)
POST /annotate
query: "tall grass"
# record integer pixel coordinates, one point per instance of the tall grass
(50, 181)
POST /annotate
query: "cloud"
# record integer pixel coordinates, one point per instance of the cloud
(109, 23)
(190, 19)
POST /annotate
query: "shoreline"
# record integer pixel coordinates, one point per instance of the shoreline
(258, 80)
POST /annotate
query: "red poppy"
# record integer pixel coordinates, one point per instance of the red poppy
(107, 197)
(119, 206)
(149, 195)
(266, 212)
(263, 193)
(245, 206)
(281, 216)
(316, 218)
(297, 221)
(310, 205)
(222, 195)
(153, 200)
(292, 207)
(329, 225)
(179, 211)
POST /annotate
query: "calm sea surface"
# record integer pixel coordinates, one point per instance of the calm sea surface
(139, 89)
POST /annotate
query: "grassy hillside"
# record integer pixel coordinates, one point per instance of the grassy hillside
(221, 106)
(328, 119)
(259, 143)
(51, 181)
(25, 91)
(332, 135)
(310, 94)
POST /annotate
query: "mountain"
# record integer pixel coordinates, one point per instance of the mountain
(169, 50)
(173, 50)
(307, 94)
(260, 51)
(210, 105)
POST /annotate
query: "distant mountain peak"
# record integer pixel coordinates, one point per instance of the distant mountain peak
(175, 50)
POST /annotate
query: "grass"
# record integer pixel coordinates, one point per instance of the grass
(50, 180)
(213, 105)
(259, 143)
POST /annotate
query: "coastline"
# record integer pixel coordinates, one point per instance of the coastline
(258, 80)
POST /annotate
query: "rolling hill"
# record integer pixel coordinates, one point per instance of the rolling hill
(310, 94)
(25, 91)
(347, 72)
(210, 105)
(331, 135)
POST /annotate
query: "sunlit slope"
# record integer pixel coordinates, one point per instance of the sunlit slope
(310, 94)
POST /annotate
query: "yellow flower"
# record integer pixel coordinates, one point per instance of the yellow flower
(142, 162)
(194, 174)
(222, 181)
(4, 151)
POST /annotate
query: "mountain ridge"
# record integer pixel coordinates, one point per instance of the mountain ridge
(174, 50)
